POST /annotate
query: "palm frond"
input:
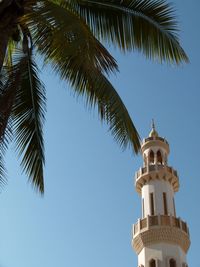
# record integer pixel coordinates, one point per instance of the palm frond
(3, 171)
(146, 25)
(9, 13)
(4, 37)
(8, 85)
(99, 91)
(11, 47)
(54, 28)
(28, 119)
(2, 143)
(83, 69)
(8, 82)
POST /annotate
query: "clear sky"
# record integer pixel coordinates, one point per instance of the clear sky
(90, 202)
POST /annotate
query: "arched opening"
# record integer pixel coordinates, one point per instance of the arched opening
(172, 263)
(159, 157)
(152, 263)
(151, 157)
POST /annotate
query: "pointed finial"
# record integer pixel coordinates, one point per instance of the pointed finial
(153, 124)
(153, 132)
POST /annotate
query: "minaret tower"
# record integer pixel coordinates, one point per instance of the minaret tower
(160, 238)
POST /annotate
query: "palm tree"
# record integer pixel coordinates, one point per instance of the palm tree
(67, 34)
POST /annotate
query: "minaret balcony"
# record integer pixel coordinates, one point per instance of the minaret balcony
(154, 141)
(155, 138)
(156, 171)
(159, 229)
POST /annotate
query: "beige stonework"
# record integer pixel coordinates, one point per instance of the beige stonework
(154, 142)
(144, 175)
(159, 235)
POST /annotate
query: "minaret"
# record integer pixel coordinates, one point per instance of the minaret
(160, 238)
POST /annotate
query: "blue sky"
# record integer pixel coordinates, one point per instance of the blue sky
(90, 203)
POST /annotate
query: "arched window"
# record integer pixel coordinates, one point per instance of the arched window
(151, 157)
(159, 157)
(172, 263)
(152, 263)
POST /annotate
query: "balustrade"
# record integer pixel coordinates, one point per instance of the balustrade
(155, 167)
(157, 221)
(154, 138)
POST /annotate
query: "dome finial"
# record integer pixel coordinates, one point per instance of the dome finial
(153, 132)
(153, 124)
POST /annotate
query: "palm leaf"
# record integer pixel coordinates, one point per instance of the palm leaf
(83, 68)
(49, 20)
(90, 83)
(28, 119)
(8, 85)
(2, 142)
(146, 25)
(11, 47)
(4, 38)
(3, 172)
(99, 91)
(9, 79)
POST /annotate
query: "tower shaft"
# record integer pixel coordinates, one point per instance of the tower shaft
(160, 238)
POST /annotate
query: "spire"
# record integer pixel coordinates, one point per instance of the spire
(153, 132)
(153, 124)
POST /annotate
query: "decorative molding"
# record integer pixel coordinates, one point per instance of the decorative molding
(163, 234)
(154, 143)
(160, 172)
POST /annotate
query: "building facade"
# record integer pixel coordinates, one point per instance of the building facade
(160, 238)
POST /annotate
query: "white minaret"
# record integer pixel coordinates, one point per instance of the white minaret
(160, 238)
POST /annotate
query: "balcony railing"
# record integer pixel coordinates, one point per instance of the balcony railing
(155, 138)
(155, 167)
(157, 221)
